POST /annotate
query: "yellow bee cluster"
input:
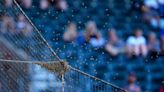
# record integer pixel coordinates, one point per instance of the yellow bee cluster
(56, 67)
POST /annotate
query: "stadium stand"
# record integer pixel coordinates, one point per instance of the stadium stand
(106, 14)
(52, 23)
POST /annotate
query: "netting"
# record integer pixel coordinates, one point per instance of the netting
(86, 83)
(27, 60)
(25, 78)
(19, 30)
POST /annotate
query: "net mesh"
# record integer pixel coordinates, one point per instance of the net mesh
(22, 46)
(17, 29)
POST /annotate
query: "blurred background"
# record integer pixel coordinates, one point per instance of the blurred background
(120, 41)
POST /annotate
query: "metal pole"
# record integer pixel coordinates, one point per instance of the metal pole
(63, 83)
